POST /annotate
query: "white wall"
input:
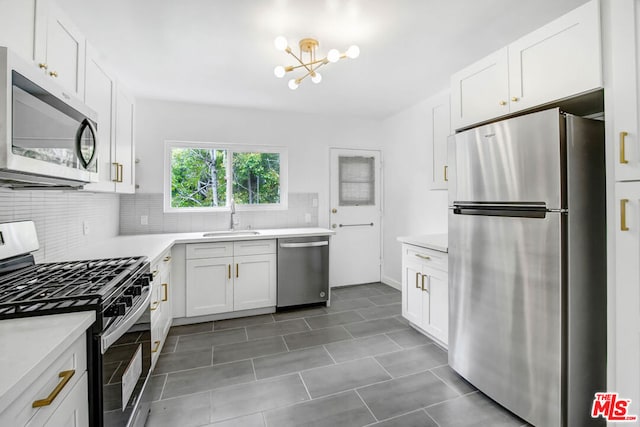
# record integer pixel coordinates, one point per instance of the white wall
(308, 138)
(410, 208)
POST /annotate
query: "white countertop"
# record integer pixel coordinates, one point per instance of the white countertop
(30, 344)
(437, 242)
(153, 245)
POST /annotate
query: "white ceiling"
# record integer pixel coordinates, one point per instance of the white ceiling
(221, 51)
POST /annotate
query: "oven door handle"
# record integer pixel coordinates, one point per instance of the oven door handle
(111, 336)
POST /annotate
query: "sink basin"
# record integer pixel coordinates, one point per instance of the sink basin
(231, 233)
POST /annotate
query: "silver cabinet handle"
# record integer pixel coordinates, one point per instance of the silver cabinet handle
(304, 245)
(423, 256)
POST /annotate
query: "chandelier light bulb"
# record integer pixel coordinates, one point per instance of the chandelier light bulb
(281, 43)
(353, 52)
(333, 55)
(317, 78)
(279, 71)
(293, 85)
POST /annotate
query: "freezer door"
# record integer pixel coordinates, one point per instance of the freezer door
(515, 160)
(505, 299)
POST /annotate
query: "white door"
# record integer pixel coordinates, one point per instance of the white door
(355, 217)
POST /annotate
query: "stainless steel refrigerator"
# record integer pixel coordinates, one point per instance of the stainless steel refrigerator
(527, 264)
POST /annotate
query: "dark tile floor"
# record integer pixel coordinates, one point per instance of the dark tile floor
(356, 363)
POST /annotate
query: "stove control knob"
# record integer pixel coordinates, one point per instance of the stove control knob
(117, 309)
(133, 290)
(127, 300)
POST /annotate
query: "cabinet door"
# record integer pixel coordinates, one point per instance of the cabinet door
(440, 110)
(99, 95)
(209, 286)
(17, 26)
(254, 282)
(167, 309)
(65, 51)
(412, 291)
(557, 61)
(480, 91)
(627, 293)
(124, 144)
(435, 303)
(74, 409)
(625, 51)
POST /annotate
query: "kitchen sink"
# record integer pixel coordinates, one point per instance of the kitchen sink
(231, 233)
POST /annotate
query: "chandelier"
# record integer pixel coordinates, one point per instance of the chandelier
(311, 63)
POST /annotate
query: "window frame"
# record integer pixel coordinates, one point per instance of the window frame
(231, 149)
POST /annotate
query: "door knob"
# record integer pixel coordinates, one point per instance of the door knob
(333, 226)
(334, 210)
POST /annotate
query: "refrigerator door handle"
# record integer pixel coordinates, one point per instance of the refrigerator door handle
(506, 210)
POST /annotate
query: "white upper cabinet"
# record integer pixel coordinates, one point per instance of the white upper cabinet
(17, 26)
(481, 90)
(557, 61)
(59, 47)
(625, 51)
(440, 120)
(114, 106)
(560, 60)
(99, 95)
(124, 162)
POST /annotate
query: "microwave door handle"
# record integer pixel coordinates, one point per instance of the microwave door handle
(86, 123)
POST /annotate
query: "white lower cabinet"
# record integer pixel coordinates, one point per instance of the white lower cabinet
(425, 292)
(255, 282)
(161, 304)
(627, 301)
(58, 397)
(230, 276)
(73, 410)
(209, 286)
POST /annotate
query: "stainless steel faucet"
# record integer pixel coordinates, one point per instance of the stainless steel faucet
(233, 215)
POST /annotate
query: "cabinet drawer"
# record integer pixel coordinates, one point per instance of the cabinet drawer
(254, 247)
(427, 257)
(162, 263)
(209, 250)
(22, 410)
(73, 411)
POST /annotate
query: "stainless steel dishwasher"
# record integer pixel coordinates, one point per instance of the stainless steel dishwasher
(303, 270)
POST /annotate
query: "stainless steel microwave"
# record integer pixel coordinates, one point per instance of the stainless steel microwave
(48, 137)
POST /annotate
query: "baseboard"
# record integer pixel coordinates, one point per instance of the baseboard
(386, 280)
(222, 316)
(391, 282)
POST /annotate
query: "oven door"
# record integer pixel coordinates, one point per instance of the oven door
(126, 365)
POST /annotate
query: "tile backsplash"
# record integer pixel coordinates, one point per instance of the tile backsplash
(135, 206)
(60, 216)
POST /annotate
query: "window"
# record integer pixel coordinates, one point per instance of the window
(206, 177)
(357, 181)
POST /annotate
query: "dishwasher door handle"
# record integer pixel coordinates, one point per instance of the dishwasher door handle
(304, 245)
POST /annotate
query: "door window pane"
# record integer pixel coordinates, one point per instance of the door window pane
(357, 181)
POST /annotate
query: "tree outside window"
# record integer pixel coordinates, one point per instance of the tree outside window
(202, 176)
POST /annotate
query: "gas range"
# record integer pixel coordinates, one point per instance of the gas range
(109, 286)
(118, 343)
